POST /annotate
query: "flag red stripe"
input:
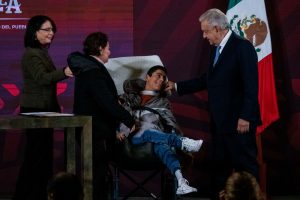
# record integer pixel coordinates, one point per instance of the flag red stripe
(267, 93)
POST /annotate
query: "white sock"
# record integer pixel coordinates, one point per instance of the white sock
(178, 175)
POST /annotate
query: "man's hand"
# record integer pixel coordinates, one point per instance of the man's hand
(243, 126)
(170, 86)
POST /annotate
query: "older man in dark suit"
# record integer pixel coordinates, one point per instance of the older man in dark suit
(232, 85)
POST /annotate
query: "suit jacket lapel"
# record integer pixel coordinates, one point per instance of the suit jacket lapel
(225, 51)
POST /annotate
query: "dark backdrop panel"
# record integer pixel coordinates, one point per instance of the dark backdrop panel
(74, 20)
(171, 30)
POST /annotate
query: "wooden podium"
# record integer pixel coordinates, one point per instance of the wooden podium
(68, 123)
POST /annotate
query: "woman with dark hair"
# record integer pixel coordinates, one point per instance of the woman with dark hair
(96, 95)
(65, 186)
(38, 95)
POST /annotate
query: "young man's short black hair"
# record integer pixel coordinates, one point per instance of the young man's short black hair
(155, 68)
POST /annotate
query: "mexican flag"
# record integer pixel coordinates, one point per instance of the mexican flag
(248, 18)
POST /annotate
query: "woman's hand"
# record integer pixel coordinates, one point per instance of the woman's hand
(68, 72)
(120, 136)
(222, 195)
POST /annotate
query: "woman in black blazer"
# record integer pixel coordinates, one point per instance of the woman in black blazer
(96, 95)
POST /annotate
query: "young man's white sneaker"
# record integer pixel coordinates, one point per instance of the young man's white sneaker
(184, 188)
(191, 145)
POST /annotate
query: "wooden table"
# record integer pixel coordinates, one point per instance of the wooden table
(69, 123)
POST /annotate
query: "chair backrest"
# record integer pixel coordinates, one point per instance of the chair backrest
(131, 67)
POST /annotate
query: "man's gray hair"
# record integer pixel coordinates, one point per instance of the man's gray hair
(215, 17)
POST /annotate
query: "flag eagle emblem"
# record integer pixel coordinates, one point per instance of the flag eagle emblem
(252, 28)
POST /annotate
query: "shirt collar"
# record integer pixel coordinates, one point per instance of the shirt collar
(149, 92)
(225, 40)
(97, 59)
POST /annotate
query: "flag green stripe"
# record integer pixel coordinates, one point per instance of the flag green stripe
(232, 3)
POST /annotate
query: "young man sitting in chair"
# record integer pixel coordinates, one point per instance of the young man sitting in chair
(147, 102)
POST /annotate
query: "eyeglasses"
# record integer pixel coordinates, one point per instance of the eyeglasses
(47, 30)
